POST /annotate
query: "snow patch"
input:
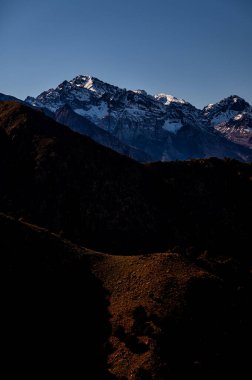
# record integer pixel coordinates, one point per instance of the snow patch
(89, 85)
(223, 117)
(140, 92)
(238, 117)
(172, 125)
(209, 106)
(168, 99)
(94, 112)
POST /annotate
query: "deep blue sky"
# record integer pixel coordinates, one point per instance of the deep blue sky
(199, 50)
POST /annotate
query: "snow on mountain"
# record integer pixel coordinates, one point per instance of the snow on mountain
(161, 126)
(226, 109)
(94, 113)
(167, 99)
(80, 124)
(143, 92)
(238, 129)
(172, 126)
(232, 117)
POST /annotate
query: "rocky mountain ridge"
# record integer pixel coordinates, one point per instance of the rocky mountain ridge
(159, 127)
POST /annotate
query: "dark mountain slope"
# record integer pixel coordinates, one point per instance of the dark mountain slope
(170, 317)
(80, 124)
(51, 321)
(4, 97)
(213, 201)
(68, 183)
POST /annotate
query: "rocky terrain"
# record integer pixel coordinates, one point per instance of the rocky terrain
(155, 316)
(154, 128)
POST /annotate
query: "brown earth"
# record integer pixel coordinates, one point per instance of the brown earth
(144, 290)
(154, 316)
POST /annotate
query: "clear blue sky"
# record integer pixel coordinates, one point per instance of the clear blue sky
(199, 50)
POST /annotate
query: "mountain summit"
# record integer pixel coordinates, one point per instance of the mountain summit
(160, 127)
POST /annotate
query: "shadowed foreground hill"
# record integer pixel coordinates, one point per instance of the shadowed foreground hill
(52, 322)
(174, 319)
(212, 206)
(170, 317)
(66, 182)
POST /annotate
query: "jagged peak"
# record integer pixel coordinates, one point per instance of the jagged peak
(167, 99)
(140, 92)
(229, 100)
(85, 79)
(89, 81)
(233, 99)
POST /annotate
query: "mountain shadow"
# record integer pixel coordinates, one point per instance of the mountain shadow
(68, 183)
(93, 196)
(209, 337)
(66, 116)
(212, 203)
(54, 311)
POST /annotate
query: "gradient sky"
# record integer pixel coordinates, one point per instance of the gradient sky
(198, 50)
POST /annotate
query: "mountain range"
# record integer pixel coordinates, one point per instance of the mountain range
(150, 128)
(141, 268)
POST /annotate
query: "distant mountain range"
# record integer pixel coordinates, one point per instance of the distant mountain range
(150, 128)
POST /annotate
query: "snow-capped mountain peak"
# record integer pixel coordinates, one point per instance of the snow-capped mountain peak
(141, 92)
(160, 126)
(209, 107)
(78, 93)
(92, 84)
(168, 99)
(226, 109)
(231, 117)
